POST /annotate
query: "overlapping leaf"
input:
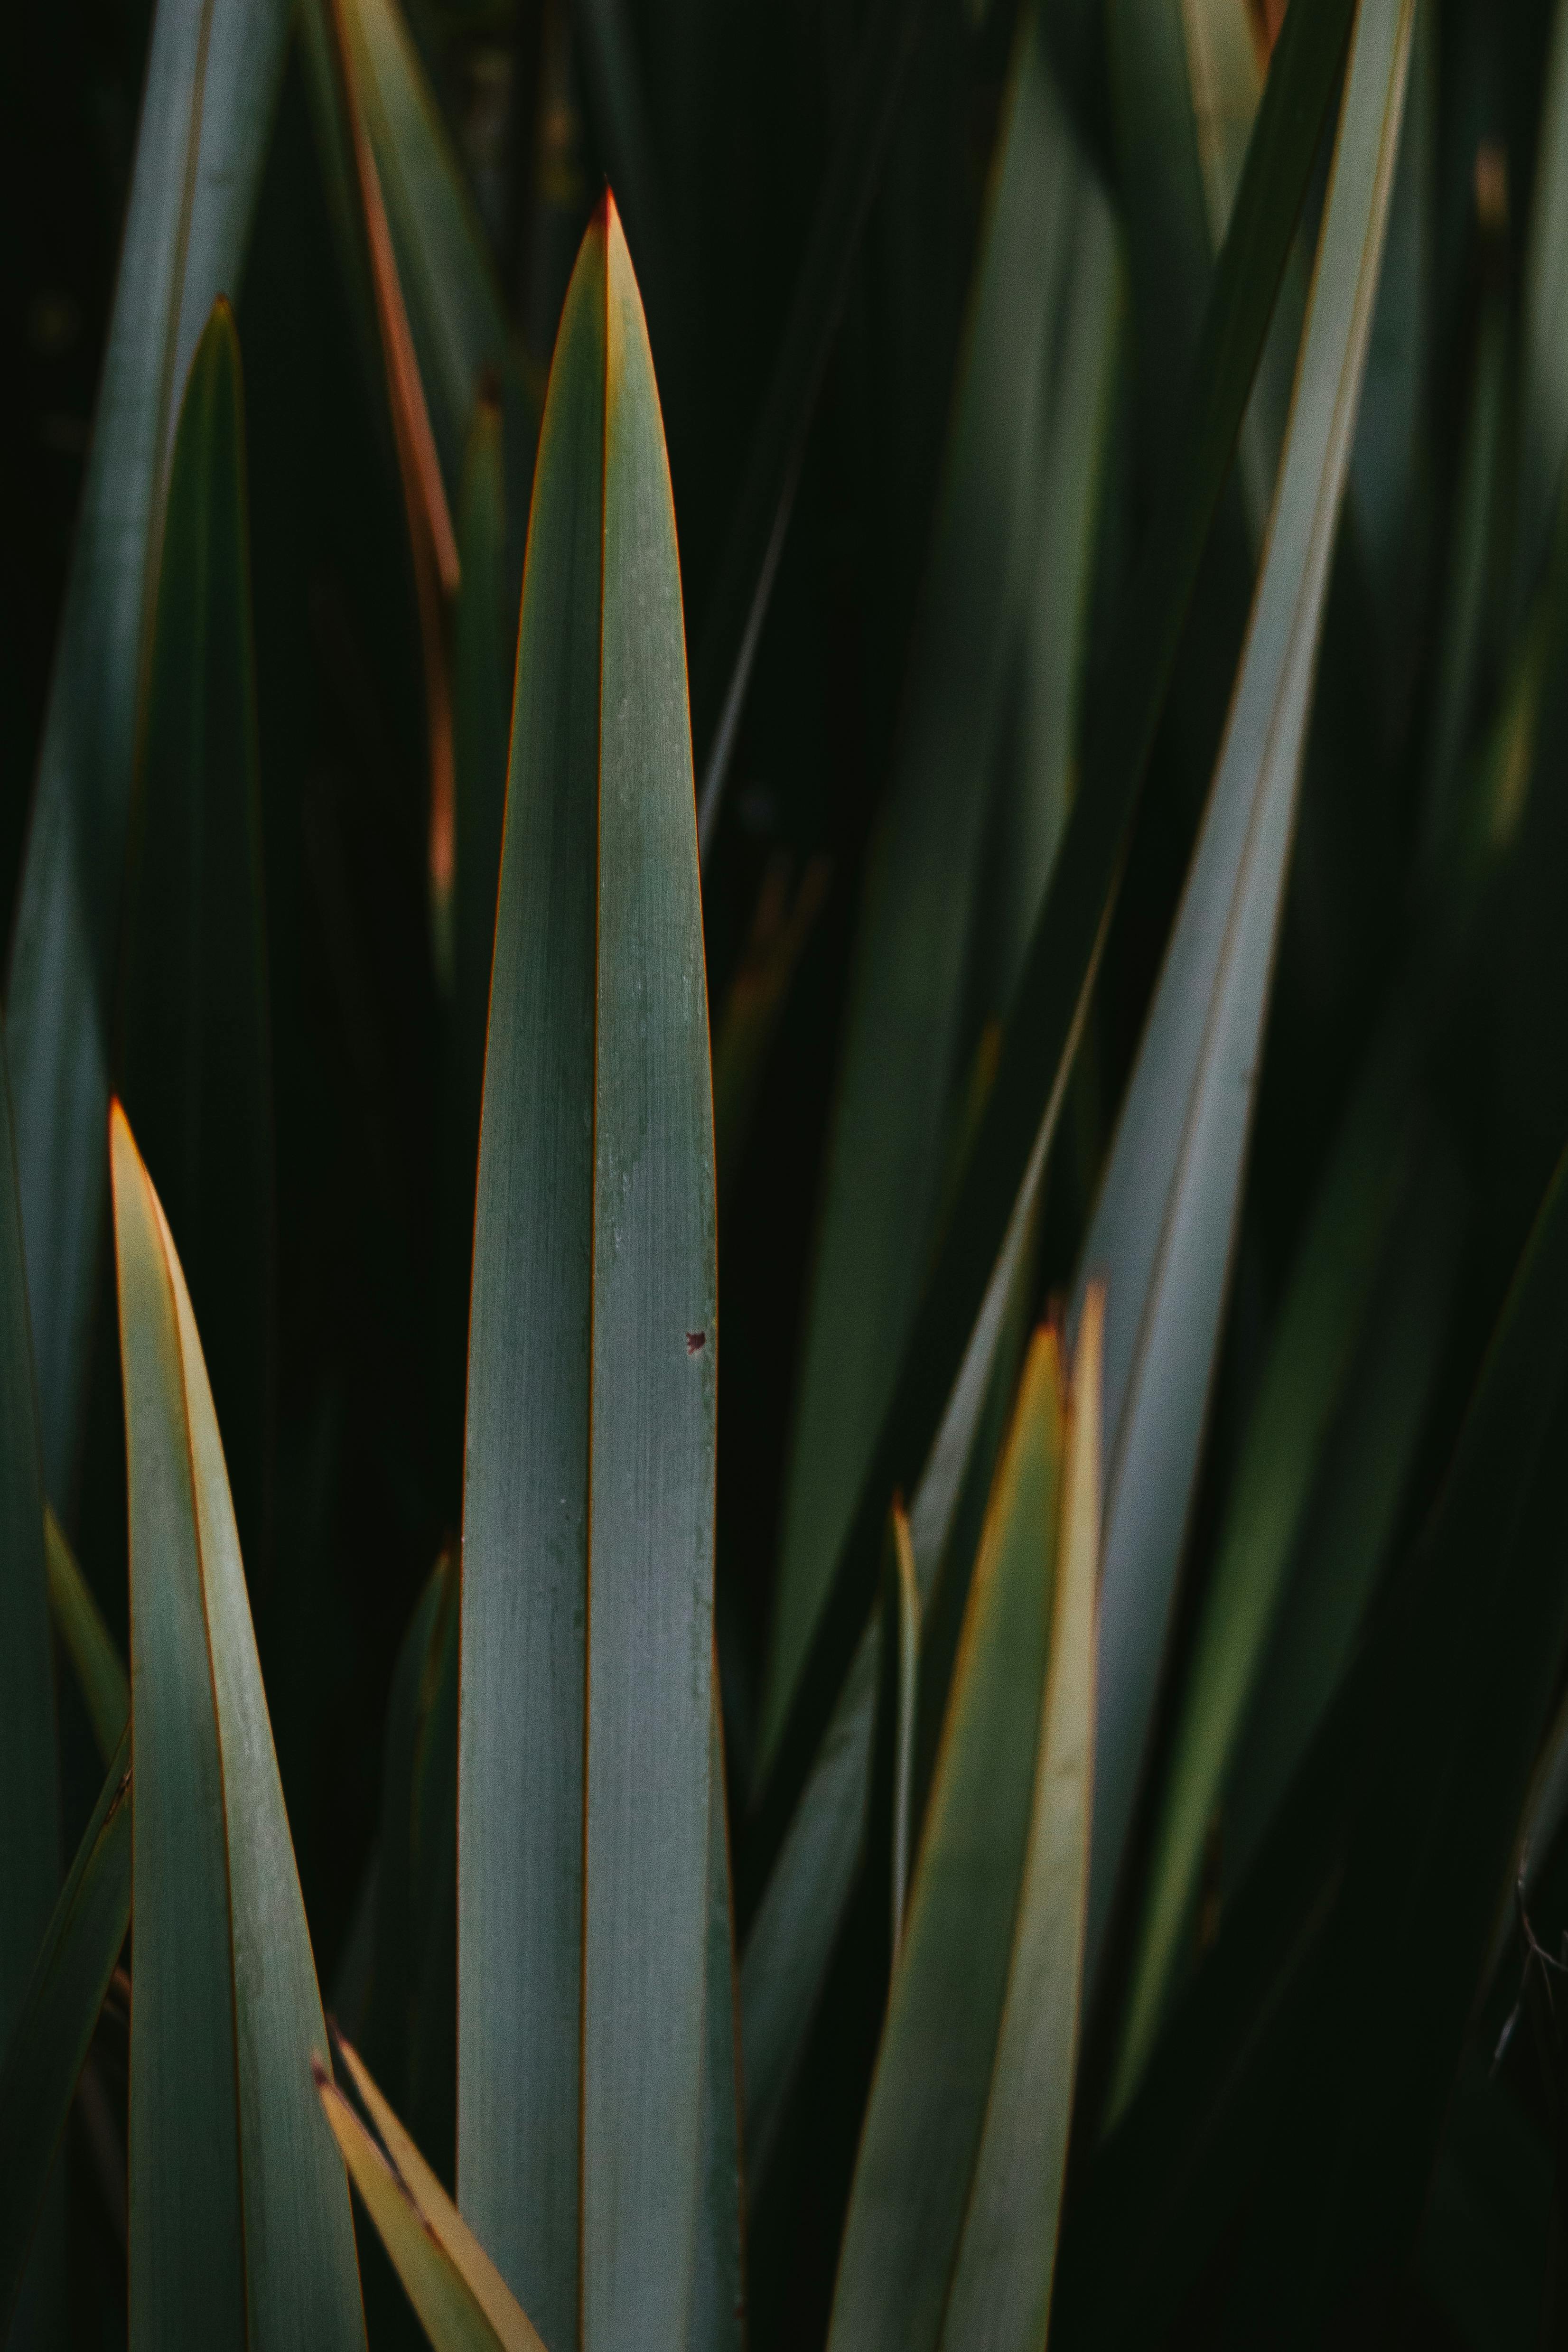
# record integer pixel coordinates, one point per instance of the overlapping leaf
(207, 108)
(195, 1059)
(239, 2222)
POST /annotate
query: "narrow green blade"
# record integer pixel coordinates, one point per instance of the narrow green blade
(240, 2228)
(206, 107)
(924, 2122)
(29, 1759)
(78, 1621)
(460, 2297)
(1049, 1002)
(1000, 2300)
(29, 1767)
(899, 1069)
(719, 2264)
(1163, 1226)
(583, 1770)
(195, 1060)
(50, 2030)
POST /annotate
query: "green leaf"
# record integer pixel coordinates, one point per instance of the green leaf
(195, 1061)
(461, 2299)
(1162, 1227)
(1049, 1003)
(583, 1770)
(239, 2226)
(78, 1621)
(900, 1691)
(29, 1759)
(29, 1769)
(719, 2268)
(923, 2124)
(50, 2032)
(900, 1063)
(1001, 2291)
(456, 315)
(211, 80)
(972, 2094)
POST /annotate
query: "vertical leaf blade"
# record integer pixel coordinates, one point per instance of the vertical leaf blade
(588, 1528)
(240, 2228)
(924, 2122)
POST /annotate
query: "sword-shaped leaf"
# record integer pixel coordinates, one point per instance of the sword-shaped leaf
(583, 1768)
(239, 2225)
(1162, 1227)
(195, 1061)
(206, 110)
(972, 2091)
(50, 2032)
(461, 2299)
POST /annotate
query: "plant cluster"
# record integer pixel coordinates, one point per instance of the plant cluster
(1046, 893)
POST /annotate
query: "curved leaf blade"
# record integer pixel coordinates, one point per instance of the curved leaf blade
(1001, 2293)
(50, 2034)
(1163, 1226)
(583, 1772)
(460, 2296)
(925, 2119)
(212, 75)
(240, 2227)
(719, 2268)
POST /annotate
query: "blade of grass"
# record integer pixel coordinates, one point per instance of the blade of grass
(239, 2224)
(924, 2122)
(195, 1072)
(78, 1621)
(211, 78)
(461, 2299)
(50, 2032)
(1163, 1225)
(1000, 2299)
(1048, 1008)
(1544, 387)
(584, 1776)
